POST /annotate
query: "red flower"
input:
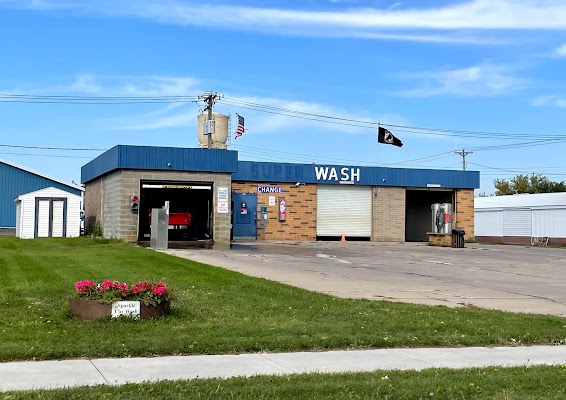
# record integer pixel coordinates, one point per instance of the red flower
(159, 290)
(140, 287)
(84, 287)
(148, 292)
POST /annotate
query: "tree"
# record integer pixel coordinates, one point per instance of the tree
(536, 183)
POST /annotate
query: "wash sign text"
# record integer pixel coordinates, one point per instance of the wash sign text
(269, 189)
(345, 174)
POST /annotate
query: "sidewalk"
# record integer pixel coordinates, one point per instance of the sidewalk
(68, 373)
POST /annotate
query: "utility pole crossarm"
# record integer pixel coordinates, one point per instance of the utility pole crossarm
(209, 99)
(463, 153)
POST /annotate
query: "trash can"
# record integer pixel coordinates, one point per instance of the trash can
(458, 238)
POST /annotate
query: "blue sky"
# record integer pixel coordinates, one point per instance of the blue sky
(478, 65)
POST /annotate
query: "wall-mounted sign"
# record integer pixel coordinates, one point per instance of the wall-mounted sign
(222, 194)
(344, 174)
(151, 186)
(271, 200)
(282, 209)
(269, 189)
(223, 207)
(126, 308)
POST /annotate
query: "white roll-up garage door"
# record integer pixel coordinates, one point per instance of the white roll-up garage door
(343, 209)
(517, 222)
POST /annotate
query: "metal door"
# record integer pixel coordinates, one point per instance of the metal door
(245, 215)
(343, 210)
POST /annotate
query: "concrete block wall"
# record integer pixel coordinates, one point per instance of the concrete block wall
(113, 215)
(464, 217)
(116, 189)
(388, 214)
(92, 204)
(301, 210)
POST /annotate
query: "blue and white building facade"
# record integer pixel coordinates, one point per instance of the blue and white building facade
(226, 197)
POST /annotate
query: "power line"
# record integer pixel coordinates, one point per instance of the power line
(44, 155)
(50, 148)
(373, 124)
(234, 101)
(94, 100)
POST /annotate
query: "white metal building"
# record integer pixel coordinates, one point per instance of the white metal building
(48, 212)
(520, 218)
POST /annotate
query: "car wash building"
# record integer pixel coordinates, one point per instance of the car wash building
(214, 196)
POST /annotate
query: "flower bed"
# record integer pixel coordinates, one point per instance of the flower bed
(96, 300)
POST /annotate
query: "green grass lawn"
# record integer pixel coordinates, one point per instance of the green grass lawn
(217, 311)
(523, 383)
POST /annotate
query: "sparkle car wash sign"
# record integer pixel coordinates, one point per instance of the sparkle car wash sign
(340, 175)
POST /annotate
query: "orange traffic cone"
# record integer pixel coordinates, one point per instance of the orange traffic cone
(343, 238)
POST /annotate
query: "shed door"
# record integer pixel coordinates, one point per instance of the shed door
(517, 222)
(57, 219)
(42, 219)
(343, 209)
(50, 217)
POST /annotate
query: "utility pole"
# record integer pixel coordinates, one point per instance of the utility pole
(209, 99)
(463, 153)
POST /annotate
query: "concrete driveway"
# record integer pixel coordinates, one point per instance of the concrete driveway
(511, 278)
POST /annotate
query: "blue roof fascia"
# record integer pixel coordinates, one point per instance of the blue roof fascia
(160, 158)
(343, 174)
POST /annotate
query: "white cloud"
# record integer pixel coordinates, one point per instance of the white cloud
(479, 80)
(140, 86)
(268, 123)
(177, 115)
(474, 15)
(561, 51)
(549, 101)
(85, 84)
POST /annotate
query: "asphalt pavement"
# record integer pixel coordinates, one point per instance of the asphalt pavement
(510, 278)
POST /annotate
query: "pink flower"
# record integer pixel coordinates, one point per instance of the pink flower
(84, 287)
(140, 287)
(106, 285)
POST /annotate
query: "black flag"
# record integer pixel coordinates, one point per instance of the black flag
(386, 137)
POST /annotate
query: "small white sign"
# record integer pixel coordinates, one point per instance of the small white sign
(271, 200)
(223, 207)
(126, 308)
(222, 194)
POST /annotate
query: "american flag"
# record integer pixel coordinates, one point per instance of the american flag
(240, 129)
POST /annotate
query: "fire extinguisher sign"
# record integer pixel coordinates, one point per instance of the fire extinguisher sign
(282, 209)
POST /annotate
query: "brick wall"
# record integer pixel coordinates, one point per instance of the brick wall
(301, 210)
(388, 214)
(116, 189)
(464, 217)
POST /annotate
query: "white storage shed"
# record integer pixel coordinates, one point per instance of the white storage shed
(48, 212)
(521, 218)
